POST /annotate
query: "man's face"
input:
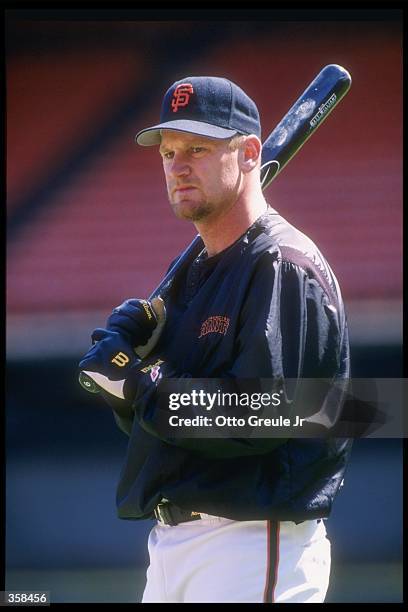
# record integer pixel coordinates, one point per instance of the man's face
(202, 174)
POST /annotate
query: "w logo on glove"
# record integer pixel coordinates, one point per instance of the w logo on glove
(121, 359)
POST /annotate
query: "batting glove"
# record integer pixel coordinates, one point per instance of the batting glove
(136, 319)
(114, 366)
(112, 356)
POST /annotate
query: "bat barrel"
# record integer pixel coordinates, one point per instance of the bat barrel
(302, 120)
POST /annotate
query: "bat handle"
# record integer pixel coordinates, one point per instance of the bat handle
(88, 384)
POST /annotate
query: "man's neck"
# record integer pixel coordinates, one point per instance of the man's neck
(219, 233)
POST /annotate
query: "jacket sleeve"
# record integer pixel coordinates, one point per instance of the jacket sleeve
(122, 410)
(286, 330)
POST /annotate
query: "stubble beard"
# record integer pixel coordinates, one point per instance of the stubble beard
(203, 209)
(190, 210)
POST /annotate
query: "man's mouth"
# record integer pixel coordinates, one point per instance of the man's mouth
(184, 192)
(185, 188)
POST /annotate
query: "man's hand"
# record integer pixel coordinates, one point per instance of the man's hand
(111, 354)
(109, 361)
(115, 367)
(140, 321)
(135, 319)
(134, 329)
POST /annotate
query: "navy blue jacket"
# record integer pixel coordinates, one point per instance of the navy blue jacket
(268, 306)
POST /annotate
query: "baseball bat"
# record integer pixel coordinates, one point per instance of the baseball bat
(306, 115)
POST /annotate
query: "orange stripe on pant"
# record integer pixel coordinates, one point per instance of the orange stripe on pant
(272, 562)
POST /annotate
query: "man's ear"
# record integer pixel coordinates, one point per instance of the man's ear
(251, 150)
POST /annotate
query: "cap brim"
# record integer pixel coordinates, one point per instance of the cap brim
(151, 135)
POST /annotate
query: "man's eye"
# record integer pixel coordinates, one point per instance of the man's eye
(168, 154)
(197, 149)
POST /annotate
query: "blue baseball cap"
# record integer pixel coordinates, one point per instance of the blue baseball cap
(209, 106)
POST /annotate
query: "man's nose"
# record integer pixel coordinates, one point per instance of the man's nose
(179, 166)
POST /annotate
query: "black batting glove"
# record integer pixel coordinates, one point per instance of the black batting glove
(114, 366)
(134, 319)
(112, 355)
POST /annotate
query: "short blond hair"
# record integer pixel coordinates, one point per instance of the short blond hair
(236, 141)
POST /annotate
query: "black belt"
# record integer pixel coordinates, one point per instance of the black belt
(169, 514)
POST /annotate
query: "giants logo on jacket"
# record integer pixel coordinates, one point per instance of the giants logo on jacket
(214, 325)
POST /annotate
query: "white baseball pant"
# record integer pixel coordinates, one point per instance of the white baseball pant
(217, 560)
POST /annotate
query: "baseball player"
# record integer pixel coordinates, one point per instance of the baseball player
(237, 520)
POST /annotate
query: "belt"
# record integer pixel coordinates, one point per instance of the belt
(170, 514)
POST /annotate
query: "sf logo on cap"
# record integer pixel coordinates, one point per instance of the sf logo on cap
(181, 96)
